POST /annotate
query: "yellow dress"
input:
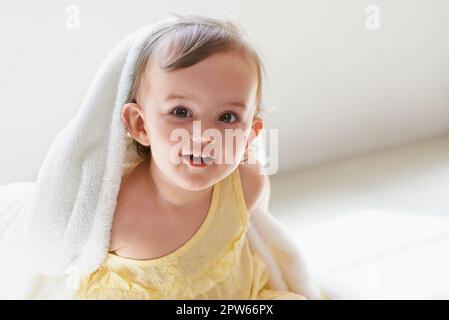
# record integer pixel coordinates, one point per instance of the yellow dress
(216, 263)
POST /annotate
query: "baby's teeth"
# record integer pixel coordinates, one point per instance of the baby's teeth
(208, 160)
(196, 160)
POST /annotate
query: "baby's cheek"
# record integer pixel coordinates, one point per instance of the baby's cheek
(160, 146)
(233, 151)
(163, 137)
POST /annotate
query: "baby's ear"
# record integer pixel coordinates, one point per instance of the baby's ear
(133, 118)
(256, 126)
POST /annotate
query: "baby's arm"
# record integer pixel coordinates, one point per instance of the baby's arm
(256, 187)
(264, 202)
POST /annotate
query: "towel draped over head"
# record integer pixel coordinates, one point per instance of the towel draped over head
(78, 182)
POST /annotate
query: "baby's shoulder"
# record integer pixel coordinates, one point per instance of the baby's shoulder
(121, 222)
(129, 207)
(256, 186)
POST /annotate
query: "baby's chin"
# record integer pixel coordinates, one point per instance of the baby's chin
(197, 179)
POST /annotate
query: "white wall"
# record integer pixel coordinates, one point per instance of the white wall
(411, 179)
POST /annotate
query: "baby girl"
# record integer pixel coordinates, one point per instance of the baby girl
(179, 228)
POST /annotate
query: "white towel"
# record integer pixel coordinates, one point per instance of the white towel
(63, 219)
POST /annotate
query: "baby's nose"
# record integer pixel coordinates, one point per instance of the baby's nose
(203, 140)
(199, 143)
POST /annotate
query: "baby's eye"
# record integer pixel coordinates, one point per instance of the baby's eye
(228, 117)
(180, 112)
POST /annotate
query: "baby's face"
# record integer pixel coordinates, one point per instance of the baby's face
(218, 93)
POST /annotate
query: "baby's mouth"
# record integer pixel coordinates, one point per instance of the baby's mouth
(191, 159)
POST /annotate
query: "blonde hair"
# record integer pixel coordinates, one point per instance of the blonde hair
(186, 41)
